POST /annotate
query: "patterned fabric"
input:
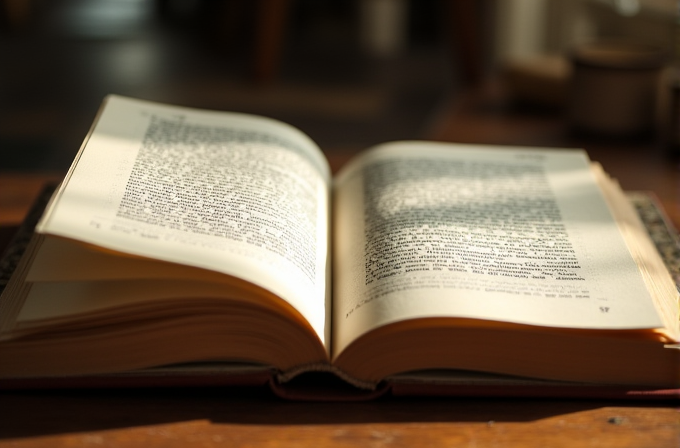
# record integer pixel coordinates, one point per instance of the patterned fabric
(659, 227)
(16, 247)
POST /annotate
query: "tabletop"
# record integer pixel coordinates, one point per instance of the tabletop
(213, 417)
(236, 418)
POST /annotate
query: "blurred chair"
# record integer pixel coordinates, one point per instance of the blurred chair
(463, 23)
(270, 29)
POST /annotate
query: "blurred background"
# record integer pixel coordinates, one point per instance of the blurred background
(59, 58)
(350, 73)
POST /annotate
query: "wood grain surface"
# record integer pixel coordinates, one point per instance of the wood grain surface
(231, 417)
(216, 418)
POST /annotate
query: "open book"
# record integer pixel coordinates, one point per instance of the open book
(185, 236)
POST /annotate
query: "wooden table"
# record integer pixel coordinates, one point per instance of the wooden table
(214, 417)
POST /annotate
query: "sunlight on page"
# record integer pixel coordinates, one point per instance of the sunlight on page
(242, 195)
(507, 235)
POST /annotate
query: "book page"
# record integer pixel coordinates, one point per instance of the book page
(233, 193)
(501, 234)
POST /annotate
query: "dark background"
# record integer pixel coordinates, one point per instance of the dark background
(63, 56)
